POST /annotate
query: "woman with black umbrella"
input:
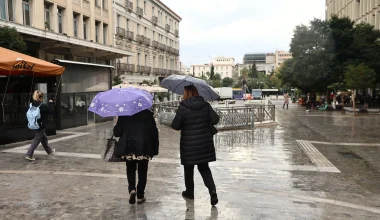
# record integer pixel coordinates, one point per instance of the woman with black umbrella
(195, 118)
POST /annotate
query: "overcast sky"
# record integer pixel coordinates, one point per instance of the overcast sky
(235, 27)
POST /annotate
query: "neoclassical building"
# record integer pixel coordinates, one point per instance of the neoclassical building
(150, 30)
(358, 10)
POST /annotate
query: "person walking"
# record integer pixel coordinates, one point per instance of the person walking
(195, 118)
(39, 134)
(308, 102)
(286, 101)
(138, 144)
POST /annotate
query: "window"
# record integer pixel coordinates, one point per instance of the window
(138, 29)
(60, 25)
(84, 29)
(137, 2)
(97, 3)
(127, 24)
(104, 4)
(152, 11)
(146, 60)
(47, 17)
(144, 7)
(26, 12)
(145, 32)
(3, 13)
(138, 59)
(154, 33)
(118, 21)
(75, 25)
(104, 34)
(159, 17)
(6, 10)
(97, 32)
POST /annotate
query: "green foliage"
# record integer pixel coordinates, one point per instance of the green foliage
(149, 83)
(162, 95)
(323, 50)
(253, 73)
(244, 73)
(117, 80)
(212, 73)
(359, 77)
(12, 40)
(227, 82)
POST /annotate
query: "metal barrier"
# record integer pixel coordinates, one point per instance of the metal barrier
(230, 117)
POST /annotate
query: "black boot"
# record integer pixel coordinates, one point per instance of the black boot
(187, 195)
(214, 198)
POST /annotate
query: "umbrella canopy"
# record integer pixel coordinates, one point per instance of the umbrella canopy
(177, 83)
(121, 102)
(15, 63)
(150, 89)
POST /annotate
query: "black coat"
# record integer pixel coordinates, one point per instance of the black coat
(138, 135)
(193, 119)
(45, 110)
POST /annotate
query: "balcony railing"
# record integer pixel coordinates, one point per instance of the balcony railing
(154, 20)
(167, 27)
(147, 41)
(120, 31)
(156, 71)
(167, 48)
(124, 67)
(176, 33)
(140, 38)
(129, 5)
(139, 11)
(148, 69)
(129, 35)
(140, 69)
(155, 44)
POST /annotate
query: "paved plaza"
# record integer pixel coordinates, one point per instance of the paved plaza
(311, 165)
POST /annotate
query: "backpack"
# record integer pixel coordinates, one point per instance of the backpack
(33, 114)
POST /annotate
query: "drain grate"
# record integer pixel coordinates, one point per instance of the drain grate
(350, 155)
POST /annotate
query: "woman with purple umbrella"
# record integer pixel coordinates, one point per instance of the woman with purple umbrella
(137, 130)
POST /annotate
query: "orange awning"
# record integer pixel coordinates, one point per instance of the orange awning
(15, 63)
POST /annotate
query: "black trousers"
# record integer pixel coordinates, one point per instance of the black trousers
(206, 174)
(142, 169)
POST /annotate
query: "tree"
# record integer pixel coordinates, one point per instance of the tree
(117, 80)
(244, 73)
(359, 77)
(253, 73)
(149, 83)
(12, 40)
(227, 82)
(212, 73)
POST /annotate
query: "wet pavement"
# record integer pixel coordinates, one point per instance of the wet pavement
(312, 165)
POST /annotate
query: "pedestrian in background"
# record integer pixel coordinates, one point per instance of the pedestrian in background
(39, 134)
(308, 102)
(138, 143)
(286, 101)
(194, 118)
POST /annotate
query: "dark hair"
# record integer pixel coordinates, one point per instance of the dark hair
(190, 91)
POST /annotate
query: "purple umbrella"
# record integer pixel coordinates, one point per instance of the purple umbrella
(121, 102)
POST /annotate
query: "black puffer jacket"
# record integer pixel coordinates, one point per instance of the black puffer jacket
(193, 119)
(138, 135)
(45, 110)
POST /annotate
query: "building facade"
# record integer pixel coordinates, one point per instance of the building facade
(150, 30)
(357, 10)
(254, 58)
(281, 57)
(77, 30)
(224, 66)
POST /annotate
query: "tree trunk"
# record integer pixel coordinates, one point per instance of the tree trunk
(353, 101)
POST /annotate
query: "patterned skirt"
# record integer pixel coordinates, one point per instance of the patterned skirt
(136, 157)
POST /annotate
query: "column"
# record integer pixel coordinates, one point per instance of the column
(18, 11)
(54, 18)
(37, 14)
(91, 22)
(68, 19)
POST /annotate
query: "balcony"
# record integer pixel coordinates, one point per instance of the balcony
(129, 5)
(167, 48)
(155, 44)
(139, 11)
(156, 71)
(129, 35)
(120, 31)
(140, 69)
(154, 20)
(147, 41)
(147, 69)
(176, 33)
(123, 67)
(167, 27)
(140, 38)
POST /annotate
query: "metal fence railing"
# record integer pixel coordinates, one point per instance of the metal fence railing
(230, 117)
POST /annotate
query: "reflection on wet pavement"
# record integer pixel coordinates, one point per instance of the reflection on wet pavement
(265, 173)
